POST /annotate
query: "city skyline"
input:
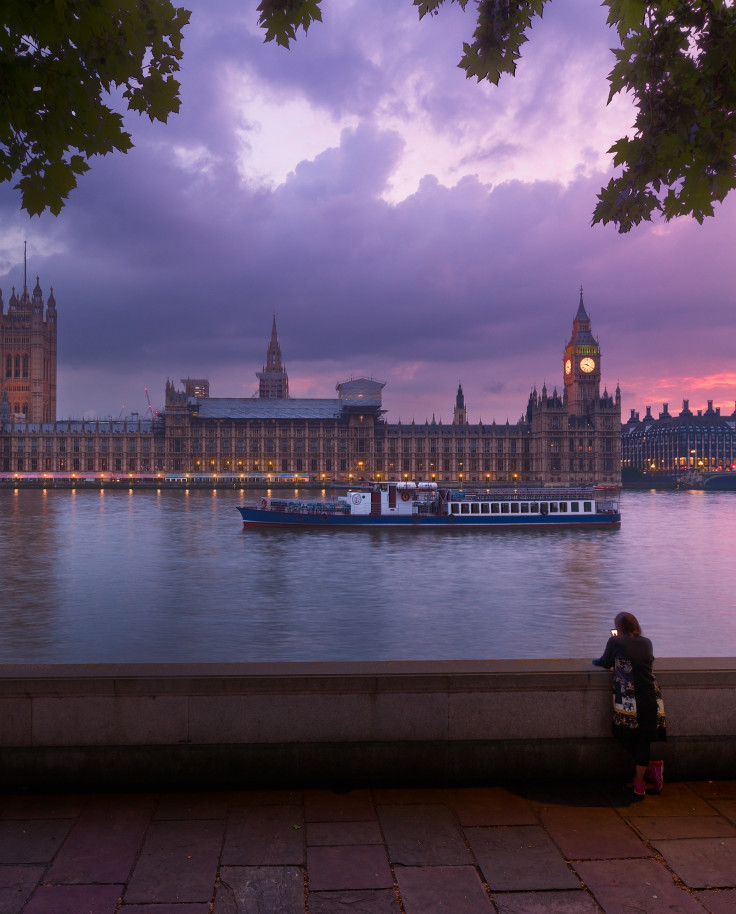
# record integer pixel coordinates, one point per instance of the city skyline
(402, 222)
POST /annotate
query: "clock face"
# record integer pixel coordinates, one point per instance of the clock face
(568, 366)
(587, 364)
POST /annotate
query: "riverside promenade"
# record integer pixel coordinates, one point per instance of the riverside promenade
(529, 848)
(461, 787)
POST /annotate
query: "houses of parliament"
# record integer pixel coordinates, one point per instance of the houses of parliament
(567, 436)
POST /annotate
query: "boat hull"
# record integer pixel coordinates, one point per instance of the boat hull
(257, 517)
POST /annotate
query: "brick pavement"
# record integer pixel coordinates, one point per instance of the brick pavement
(524, 849)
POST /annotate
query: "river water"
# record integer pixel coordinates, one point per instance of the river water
(90, 576)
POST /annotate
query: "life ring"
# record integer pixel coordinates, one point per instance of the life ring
(356, 499)
(264, 502)
(405, 496)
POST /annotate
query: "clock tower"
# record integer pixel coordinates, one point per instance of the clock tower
(581, 365)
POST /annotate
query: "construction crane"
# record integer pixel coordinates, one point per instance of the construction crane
(149, 411)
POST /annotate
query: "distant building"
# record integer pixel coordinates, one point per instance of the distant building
(686, 443)
(572, 437)
(196, 387)
(28, 355)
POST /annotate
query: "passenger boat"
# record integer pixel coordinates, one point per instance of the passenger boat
(425, 504)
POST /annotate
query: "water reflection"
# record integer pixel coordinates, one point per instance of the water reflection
(161, 575)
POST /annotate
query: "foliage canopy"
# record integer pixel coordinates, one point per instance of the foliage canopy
(677, 58)
(59, 60)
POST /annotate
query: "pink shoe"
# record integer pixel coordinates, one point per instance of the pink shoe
(640, 788)
(655, 774)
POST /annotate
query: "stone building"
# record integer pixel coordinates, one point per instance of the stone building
(28, 355)
(686, 443)
(563, 438)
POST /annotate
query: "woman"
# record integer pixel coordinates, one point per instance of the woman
(638, 712)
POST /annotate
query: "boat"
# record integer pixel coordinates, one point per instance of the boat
(425, 504)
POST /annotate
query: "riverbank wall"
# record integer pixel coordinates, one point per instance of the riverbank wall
(259, 725)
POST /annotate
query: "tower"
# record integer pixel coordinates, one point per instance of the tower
(28, 353)
(459, 415)
(582, 366)
(273, 382)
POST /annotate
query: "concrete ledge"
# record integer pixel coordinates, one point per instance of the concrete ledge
(114, 726)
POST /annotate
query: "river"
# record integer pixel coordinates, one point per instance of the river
(116, 576)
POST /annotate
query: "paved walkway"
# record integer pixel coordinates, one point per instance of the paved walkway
(534, 849)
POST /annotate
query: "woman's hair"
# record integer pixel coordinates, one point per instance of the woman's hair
(627, 624)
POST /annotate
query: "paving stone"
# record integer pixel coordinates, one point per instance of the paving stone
(591, 833)
(344, 833)
(259, 890)
(265, 836)
(103, 844)
(545, 903)
(32, 840)
(718, 901)
(713, 788)
(675, 800)
(178, 863)
(42, 806)
(361, 866)
(564, 793)
(194, 908)
(442, 890)
(331, 806)
(726, 808)
(16, 885)
(635, 887)
(192, 806)
(520, 858)
(379, 901)
(702, 863)
(74, 899)
(653, 827)
(422, 836)
(490, 806)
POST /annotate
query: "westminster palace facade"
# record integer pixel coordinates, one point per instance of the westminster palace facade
(568, 436)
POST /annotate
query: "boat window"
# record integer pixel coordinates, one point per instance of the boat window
(524, 508)
(575, 507)
(514, 507)
(465, 508)
(475, 508)
(553, 507)
(455, 508)
(504, 508)
(587, 506)
(495, 509)
(563, 507)
(485, 508)
(534, 507)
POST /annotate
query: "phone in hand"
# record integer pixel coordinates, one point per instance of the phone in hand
(614, 632)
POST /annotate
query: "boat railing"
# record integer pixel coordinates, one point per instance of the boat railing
(523, 495)
(285, 506)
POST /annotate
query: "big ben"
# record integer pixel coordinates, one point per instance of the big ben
(582, 366)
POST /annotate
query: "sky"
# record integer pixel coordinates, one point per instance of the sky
(400, 221)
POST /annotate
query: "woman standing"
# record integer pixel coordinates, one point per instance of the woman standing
(638, 712)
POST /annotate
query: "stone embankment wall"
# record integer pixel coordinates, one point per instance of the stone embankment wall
(246, 726)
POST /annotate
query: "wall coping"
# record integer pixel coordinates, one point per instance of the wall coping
(342, 668)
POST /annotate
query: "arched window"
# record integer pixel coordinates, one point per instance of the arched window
(26, 366)
(25, 409)
(17, 408)
(17, 366)
(8, 366)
